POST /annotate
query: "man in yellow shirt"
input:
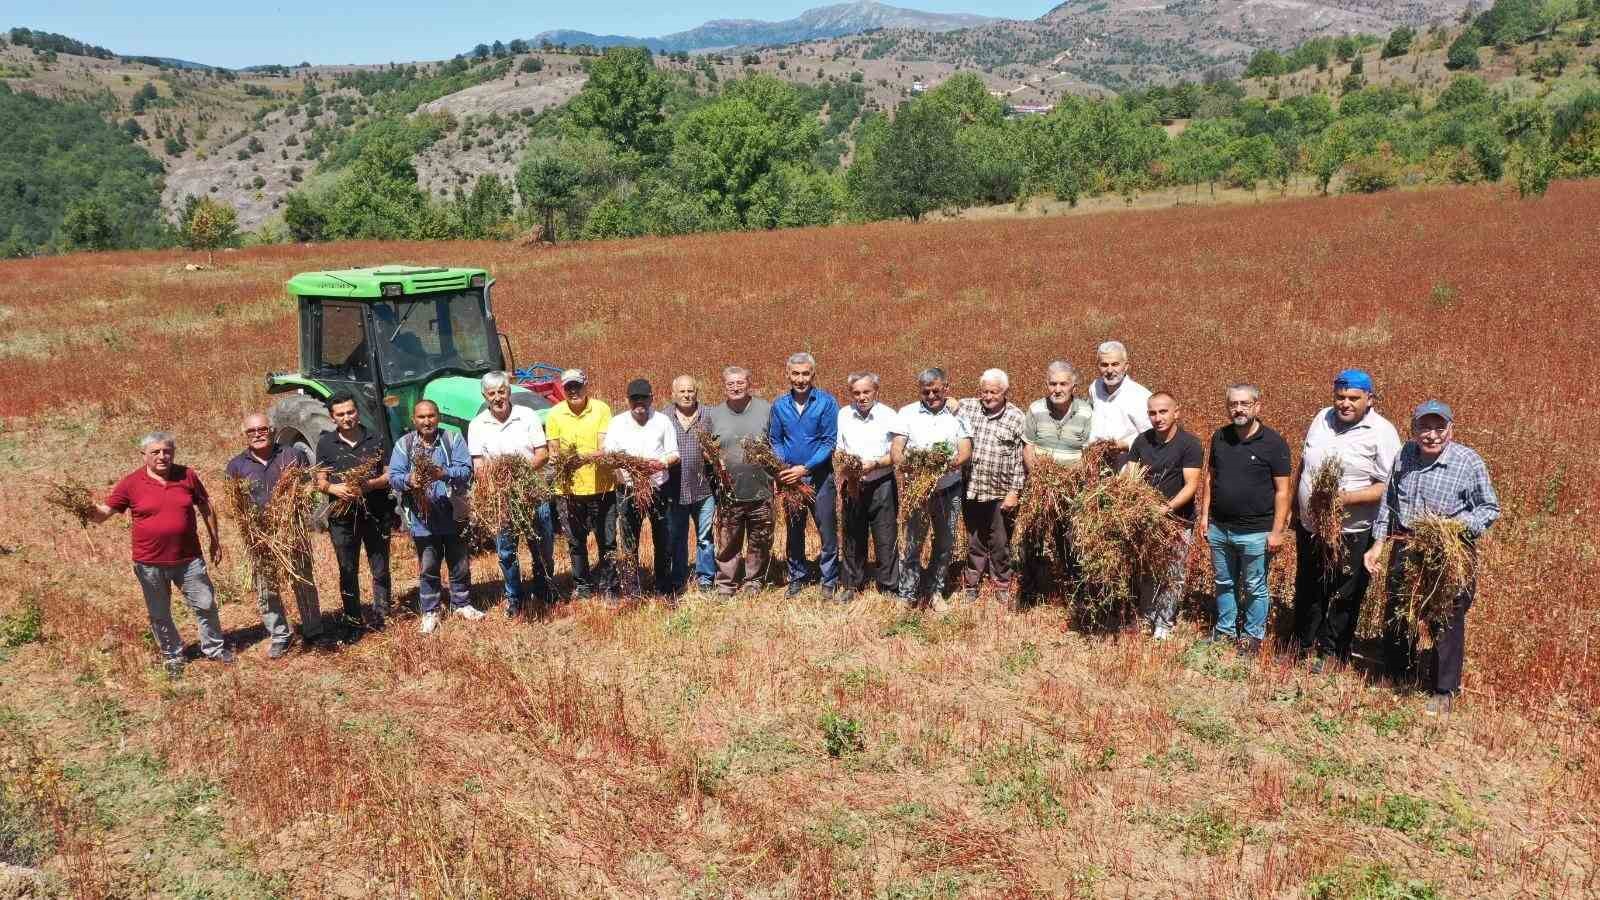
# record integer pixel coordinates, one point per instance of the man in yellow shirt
(588, 497)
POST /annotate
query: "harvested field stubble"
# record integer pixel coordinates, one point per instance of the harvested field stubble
(663, 752)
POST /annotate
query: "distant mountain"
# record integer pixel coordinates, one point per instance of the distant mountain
(813, 24)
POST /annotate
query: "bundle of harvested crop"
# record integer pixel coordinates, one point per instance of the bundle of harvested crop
(640, 473)
(73, 496)
(794, 499)
(1326, 511)
(1438, 572)
(424, 472)
(711, 451)
(506, 493)
(1045, 506)
(355, 478)
(920, 470)
(1120, 528)
(847, 472)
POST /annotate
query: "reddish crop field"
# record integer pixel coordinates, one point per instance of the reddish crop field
(662, 752)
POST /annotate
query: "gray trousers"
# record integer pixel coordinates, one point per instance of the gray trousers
(269, 602)
(1159, 596)
(941, 517)
(201, 598)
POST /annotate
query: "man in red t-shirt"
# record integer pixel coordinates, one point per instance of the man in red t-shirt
(163, 499)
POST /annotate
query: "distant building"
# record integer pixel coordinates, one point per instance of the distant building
(1017, 111)
(918, 87)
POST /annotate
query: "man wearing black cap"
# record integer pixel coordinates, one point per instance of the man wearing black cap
(1328, 592)
(1433, 475)
(587, 501)
(647, 434)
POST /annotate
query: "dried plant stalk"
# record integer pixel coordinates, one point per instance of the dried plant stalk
(920, 470)
(424, 472)
(565, 461)
(74, 496)
(847, 472)
(278, 534)
(639, 471)
(1439, 571)
(1045, 505)
(506, 494)
(1121, 527)
(1326, 509)
(711, 451)
(355, 477)
(793, 499)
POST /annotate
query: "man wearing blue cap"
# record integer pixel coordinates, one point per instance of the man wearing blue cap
(1327, 597)
(1432, 475)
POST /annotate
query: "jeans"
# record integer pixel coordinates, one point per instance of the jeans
(988, 543)
(744, 536)
(1159, 592)
(431, 551)
(826, 517)
(630, 525)
(704, 513)
(1240, 559)
(941, 517)
(349, 538)
(1327, 603)
(581, 515)
(541, 550)
(201, 598)
(1400, 653)
(270, 604)
(872, 515)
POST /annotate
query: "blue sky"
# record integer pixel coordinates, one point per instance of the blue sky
(249, 32)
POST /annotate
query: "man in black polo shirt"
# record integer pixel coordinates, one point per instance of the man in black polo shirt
(1246, 512)
(367, 522)
(1171, 459)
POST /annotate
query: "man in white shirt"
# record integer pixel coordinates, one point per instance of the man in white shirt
(920, 426)
(866, 431)
(503, 428)
(1120, 403)
(1327, 598)
(647, 434)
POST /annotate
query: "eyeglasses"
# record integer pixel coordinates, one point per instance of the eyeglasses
(1440, 430)
(264, 430)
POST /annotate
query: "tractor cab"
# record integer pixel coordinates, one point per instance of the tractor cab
(392, 336)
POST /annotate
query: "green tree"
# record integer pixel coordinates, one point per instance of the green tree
(86, 226)
(622, 100)
(480, 214)
(918, 166)
(726, 149)
(1200, 154)
(1399, 42)
(1463, 53)
(965, 99)
(210, 225)
(378, 198)
(1264, 64)
(1464, 91)
(548, 182)
(304, 218)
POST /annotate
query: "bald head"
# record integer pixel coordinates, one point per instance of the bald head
(257, 433)
(685, 393)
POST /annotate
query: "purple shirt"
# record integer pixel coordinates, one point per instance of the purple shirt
(263, 475)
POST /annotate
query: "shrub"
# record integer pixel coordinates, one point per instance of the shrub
(841, 735)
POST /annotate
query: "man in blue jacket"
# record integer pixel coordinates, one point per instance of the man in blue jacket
(435, 531)
(803, 429)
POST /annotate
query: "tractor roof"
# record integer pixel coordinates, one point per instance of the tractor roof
(368, 283)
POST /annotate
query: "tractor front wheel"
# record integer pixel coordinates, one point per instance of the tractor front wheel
(299, 420)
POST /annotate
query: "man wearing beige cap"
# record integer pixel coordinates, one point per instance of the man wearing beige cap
(587, 500)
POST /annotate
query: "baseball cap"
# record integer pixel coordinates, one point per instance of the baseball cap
(574, 376)
(1432, 408)
(639, 388)
(1353, 380)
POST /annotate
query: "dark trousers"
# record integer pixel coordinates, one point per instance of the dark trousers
(824, 514)
(1400, 653)
(579, 516)
(349, 537)
(1327, 601)
(744, 544)
(871, 515)
(988, 543)
(448, 549)
(630, 521)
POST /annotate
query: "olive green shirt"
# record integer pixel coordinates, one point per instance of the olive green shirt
(1062, 439)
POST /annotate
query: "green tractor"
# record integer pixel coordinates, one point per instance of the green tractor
(391, 336)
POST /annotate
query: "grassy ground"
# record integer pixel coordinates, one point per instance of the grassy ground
(772, 748)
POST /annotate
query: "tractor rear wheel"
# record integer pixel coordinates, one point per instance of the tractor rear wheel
(299, 420)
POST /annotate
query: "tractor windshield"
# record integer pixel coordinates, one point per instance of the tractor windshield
(419, 337)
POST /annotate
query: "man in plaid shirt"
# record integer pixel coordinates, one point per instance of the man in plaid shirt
(1433, 475)
(994, 482)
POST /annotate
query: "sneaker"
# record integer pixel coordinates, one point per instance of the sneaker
(750, 587)
(470, 613)
(1160, 633)
(1439, 705)
(430, 622)
(226, 657)
(794, 589)
(174, 667)
(1317, 665)
(829, 591)
(847, 595)
(277, 650)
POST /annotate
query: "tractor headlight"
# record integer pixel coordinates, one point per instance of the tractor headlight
(477, 281)
(392, 289)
